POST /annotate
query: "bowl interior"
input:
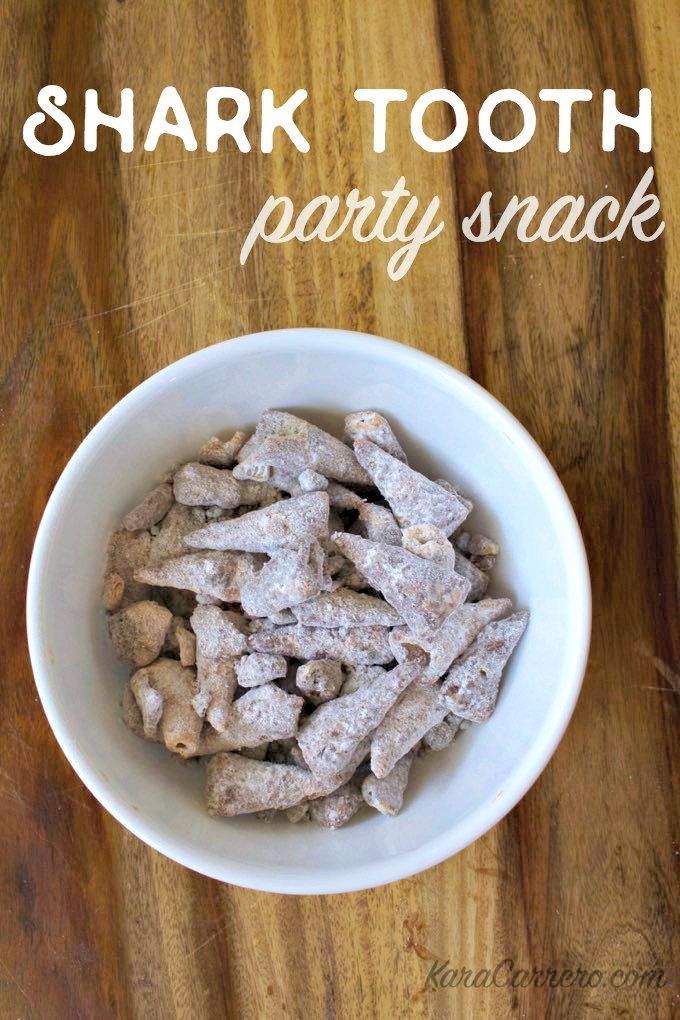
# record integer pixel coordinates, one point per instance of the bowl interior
(450, 428)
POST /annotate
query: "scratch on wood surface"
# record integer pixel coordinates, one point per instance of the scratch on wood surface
(167, 162)
(207, 941)
(661, 667)
(156, 318)
(190, 191)
(14, 981)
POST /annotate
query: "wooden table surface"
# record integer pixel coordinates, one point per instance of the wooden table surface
(115, 265)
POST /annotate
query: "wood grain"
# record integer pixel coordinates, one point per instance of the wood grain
(115, 265)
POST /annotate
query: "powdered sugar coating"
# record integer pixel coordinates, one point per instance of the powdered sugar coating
(261, 715)
(346, 608)
(331, 734)
(291, 576)
(258, 668)
(151, 510)
(453, 637)
(413, 498)
(387, 795)
(335, 810)
(372, 426)
(201, 485)
(357, 676)
(301, 445)
(310, 480)
(403, 726)
(441, 735)
(195, 544)
(168, 542)
(216, 575)
(378, 524)
(239, 786)
(220, 639)
(282, 525)
(471, 686)
(424, 592)
(351, 645)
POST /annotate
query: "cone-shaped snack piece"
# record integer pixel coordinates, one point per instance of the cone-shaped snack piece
(347, 608)
(285, 441)
(413, 498)
(259, 716)
(283, 525)
(290, 577)
(423, 592)
(403, 726)
(201, 485)
(453, 637)
(240, 786)
(220, 640)
(151, 510)
(471, 686)
(354, 646)
(331, 734)
(218, 575)
(372, 426)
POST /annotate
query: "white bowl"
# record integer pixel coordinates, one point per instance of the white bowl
(451, 428)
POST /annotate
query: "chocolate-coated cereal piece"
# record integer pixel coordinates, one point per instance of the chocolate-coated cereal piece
(386, 795)
(151, 510)
(351, 645)
(330, 735)
(346, 608)
(470, 688)
(259, 668)
(282, 525)
(423, 592)
(202, 485)
(138, 632)
(163, 691)
(319, 680)
(371, 425)
(413, 498)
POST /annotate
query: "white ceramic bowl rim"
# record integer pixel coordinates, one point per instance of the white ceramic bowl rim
(518, 782)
